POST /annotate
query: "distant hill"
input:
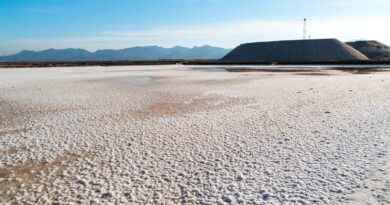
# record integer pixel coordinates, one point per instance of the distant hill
(133, 53)
(374, 50)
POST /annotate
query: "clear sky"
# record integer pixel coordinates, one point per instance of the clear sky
(98, 24)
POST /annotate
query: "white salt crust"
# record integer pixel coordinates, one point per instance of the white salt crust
(176, 135)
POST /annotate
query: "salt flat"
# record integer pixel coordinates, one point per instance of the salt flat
(193, 135)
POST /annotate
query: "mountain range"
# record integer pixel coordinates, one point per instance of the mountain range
(374, 50)
(132, 54)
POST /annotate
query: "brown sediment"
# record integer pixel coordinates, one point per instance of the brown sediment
(207, 82)
(12, 150)
(14, 179)
(8, 113)
(14, 131)
(180, 108)
(231, 81)
(183, 107)
(14, 118)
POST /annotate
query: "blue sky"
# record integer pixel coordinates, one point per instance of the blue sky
(98, 24)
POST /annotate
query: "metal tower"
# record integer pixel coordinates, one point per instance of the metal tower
(304, 29)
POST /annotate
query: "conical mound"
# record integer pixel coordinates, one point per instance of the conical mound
(375, 50)
(319, 50)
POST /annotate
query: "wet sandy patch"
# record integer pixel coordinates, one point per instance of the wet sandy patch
(184, 106)
(16, 119)
(12, 150)
(36, 177)
(134, 80)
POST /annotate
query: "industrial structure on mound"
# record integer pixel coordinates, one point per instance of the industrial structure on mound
(306, 50)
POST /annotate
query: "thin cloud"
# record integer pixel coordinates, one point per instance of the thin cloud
(231, 34)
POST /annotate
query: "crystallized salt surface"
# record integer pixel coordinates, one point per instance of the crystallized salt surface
(177, 135)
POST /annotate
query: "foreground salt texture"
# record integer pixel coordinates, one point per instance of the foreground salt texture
(176, 135)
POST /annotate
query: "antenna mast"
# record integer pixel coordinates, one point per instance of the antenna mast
(304, 29)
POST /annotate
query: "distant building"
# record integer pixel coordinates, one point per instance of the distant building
(318, 50)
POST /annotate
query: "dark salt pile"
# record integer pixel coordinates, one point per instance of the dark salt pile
(294, 51)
